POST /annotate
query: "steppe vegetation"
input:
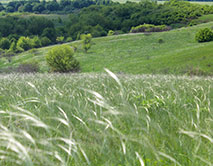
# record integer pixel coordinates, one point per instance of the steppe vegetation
(133, 87)
(98, 119)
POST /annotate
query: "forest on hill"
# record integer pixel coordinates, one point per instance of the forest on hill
(97, 17)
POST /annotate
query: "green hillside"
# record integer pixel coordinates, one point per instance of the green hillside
(137, 54)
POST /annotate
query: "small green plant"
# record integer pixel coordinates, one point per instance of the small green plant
(204, 35)
(160, 41)
(60, 39)
(111, 33)
(86, 41)
(69, 39)
(61, 59)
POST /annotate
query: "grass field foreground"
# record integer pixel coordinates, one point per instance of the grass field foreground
(102, 120)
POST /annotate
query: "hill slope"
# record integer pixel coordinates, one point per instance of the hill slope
(138, 53)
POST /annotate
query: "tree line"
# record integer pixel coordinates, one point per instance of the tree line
(46, 7)
(96, 19)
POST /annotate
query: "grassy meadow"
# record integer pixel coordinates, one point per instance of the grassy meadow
(205, 18)
(178, 54)
(104, 119)
(143, 99)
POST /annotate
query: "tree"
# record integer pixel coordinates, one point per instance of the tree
(61, 59)
(49, 33)
(1, 7)
(4, 43)
(52, 6)
(86, 41)
(27, 7)
(36, 25)
(38, 8)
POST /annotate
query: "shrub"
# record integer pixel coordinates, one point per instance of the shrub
(160, 41)
(5, 43)
(110, 33)
(60, 39)
(86, 41)
(60, 59)
(36, 42)
(149, 28)
(204, 35)
(69, 39)
(24, 43)
(45, 41)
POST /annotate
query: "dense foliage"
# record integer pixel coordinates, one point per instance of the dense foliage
(53, 6)
(23, 26)
(98, 20)
(97, 17)
(60, 59)
(149, 28)
(204, 35)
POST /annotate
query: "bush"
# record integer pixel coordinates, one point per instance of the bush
(5, 43)
(36, 42)
(45, 41)
(60, 39)
(60, 59)
(24, 43)
(69, 39)
(86, 41)
(149, 28)
(204, 35)
(110, 33)
(160, 41)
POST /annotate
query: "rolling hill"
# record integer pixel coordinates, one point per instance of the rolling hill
(179, 53)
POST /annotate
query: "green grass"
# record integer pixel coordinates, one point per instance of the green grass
(202, 3)
(138, 54)
(195, 2)
(101, 120)
(123, 1)
(205, 18)
(161, 2)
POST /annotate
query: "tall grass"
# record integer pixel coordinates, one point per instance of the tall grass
(104, 119)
